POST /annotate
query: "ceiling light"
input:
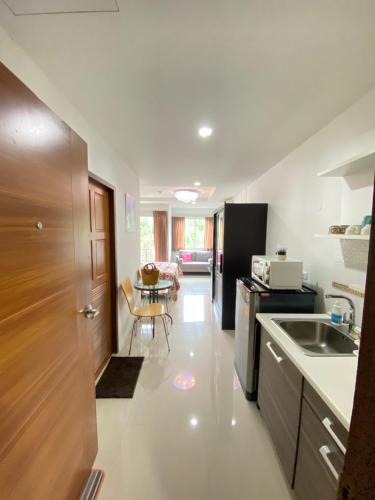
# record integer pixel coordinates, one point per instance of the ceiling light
(193, 421)
(186, 195)
(197, 183)
(205, 132)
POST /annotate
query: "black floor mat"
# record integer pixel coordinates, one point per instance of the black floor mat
(119, 378)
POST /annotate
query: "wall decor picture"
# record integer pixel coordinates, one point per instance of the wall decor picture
(129, 213)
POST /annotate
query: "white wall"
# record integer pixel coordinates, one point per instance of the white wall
(301, 204)
(102, 160)
(147, 209)
(192, 212)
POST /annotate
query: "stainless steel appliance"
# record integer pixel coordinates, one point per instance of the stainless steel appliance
(277, 274)
(253, 298)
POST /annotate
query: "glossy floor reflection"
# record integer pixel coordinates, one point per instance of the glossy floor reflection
(188, 433)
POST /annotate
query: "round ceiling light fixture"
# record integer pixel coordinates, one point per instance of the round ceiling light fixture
(205, 131)
(186, 195)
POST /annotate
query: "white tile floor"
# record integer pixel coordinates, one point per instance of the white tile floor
(188, 433)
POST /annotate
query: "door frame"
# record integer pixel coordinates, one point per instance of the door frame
(357, 478)
(111, 189)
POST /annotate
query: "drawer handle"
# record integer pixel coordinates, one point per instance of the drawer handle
(328, 425)
(278, 358)
(325, 451)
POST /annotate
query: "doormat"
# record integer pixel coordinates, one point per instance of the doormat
(119, 378)
(93, 484)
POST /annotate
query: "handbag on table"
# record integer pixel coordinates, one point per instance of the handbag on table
(150, 274)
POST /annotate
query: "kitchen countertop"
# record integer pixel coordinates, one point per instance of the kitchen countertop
(332, 377)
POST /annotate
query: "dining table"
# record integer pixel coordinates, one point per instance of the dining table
(153, 290)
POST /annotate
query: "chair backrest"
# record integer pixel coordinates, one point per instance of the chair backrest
(127, 288)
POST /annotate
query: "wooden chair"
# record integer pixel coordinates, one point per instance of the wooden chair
(162, 293)
(146, 311)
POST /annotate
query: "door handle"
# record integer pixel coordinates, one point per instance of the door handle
(278, 358)
(325, 451)
(328, 425)
(89, 312)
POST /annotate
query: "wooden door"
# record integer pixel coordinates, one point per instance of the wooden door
(101, 330)
(47, 393)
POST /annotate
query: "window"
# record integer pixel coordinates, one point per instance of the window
(147, 239)
(194, 233)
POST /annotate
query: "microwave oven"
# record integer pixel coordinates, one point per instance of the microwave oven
(277, 274)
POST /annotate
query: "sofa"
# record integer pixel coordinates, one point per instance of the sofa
(194, 261)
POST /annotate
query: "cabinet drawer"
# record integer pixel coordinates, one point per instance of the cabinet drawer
(333, 426)
(319, 460)
(279, 400)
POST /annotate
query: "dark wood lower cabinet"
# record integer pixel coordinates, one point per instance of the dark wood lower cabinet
(279, 400)
(319, 461)
(308, 438)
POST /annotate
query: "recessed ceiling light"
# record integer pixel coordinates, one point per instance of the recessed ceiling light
(205, 132)
(193, 421)
(197, 183)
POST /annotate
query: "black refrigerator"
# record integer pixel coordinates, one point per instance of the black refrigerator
(239, 233)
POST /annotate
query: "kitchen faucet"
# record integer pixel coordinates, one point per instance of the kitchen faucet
(348, 318)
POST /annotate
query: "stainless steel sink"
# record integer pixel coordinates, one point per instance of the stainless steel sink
(318, 337)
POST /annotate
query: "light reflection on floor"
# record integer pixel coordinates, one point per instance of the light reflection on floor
(193, 308)
(189, 433)
(184, 380)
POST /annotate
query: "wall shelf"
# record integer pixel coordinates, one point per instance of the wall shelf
(361, 237)
(352, 166)
(354, 290)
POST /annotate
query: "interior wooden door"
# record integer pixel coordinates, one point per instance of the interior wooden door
(47, 397)
(101, 331)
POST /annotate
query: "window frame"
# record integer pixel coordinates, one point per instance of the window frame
(194, 238)
(147, 250)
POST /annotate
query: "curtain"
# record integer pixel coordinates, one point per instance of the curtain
(160, 235)
(208, 233)
(178, 233)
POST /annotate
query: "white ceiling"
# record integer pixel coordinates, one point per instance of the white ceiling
(265, 74)
(37, 7)
(166, 195)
